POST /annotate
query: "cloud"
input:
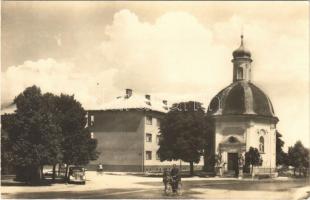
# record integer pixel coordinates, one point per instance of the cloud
(164, 56)
(55, 77)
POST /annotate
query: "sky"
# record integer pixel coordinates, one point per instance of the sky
(172, 50)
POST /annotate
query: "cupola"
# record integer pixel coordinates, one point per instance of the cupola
(241, 63)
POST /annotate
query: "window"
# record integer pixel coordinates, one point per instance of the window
(92, 136)
(262, 132)
(261, 144)
(92, 120)
(148, 155)
(158, 122)
(148, 137)
(149, 120)
(86, 118)
(157, 156)
(240, 73)
(157, 139)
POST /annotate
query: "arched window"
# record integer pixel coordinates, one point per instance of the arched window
(261, 144)
(240, 73)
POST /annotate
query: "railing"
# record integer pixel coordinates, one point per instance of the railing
(263, 170)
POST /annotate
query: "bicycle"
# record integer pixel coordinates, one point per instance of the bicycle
(174, 186)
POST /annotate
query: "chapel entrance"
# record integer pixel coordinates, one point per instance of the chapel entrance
(232, 164)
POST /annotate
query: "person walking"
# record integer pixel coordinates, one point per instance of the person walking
(165, 178)
(175, 176)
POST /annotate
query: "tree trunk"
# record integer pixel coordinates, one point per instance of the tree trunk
(23, 173)
(252, 166)
(191, 168)
(54, 172)
(41, 172)
(34, 174)
(205, 161)
(294, 171)
(59, 166)
(66, 174)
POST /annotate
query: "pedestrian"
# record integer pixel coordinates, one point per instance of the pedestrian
(165, 178)
(176, 178)
(174, 170)
(100, 169)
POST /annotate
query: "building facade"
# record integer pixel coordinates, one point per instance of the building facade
(127, 131)
(243, 117)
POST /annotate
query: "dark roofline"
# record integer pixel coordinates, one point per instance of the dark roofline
(126, 109)
(250, 116)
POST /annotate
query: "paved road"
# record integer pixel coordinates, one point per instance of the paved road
(119, 187)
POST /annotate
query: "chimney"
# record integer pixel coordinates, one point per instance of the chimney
(148, 97)
(165, 102)
(128, 93)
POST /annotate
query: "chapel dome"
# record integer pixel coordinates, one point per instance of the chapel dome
(241, 98)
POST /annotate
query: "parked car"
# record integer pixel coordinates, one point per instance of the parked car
(76, 174)
(48, 174)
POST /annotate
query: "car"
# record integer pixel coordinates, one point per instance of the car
(48, 174)
(76, 174)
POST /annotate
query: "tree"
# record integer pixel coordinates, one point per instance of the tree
(281, 156)
(183, 133)
(49, 106)
(210, 158)
(253, 158)
(7, 164)
(46, 130)
(306, 161)
(298, 156)
(77, 145)
(34, 136)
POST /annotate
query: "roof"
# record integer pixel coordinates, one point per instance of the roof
(135, 101)
(125, 102)
(8, 109)
(241, 52)
(241, 98)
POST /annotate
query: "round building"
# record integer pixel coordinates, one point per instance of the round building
(243, 117)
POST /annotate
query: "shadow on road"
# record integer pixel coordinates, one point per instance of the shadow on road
(240, 185)
(133, 193)
(156, 190)
(45, 182)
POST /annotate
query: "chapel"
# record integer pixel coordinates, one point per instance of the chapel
(242, 116)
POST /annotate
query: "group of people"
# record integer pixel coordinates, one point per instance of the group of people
(171, 177)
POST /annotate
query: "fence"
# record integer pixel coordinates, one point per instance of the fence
(262, 170)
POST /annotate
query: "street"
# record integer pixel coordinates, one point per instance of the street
(119, 186)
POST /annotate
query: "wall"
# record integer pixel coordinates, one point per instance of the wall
(248, 130)
(120, 139)
(224, 129)
(265, 129)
